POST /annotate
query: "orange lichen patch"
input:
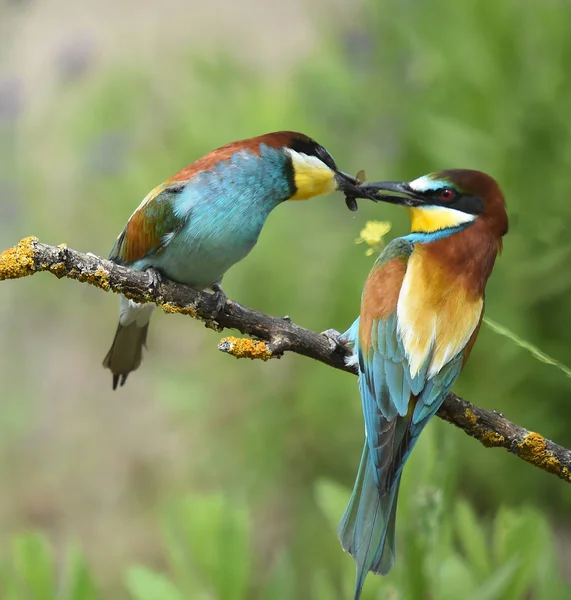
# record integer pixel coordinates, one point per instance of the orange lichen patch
(213, 324)
(491, 439)
(470, 416)
(103, 276)
(18, 261)
(172, 309)
(58, 269)
(100, 278)
(486, 436)
(245, 348)
(533, 449)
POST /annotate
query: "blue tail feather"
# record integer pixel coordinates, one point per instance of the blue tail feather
(367, 529)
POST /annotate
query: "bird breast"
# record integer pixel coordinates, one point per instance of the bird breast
(436, 313)
(222, 213)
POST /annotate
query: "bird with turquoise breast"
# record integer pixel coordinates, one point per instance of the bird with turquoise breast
(421, 309)
(195, 226)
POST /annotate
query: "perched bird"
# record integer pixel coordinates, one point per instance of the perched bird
(421, 310)
(195, 226)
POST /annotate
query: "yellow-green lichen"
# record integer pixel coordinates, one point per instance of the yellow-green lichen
(213, 324)
(58, 269)
(245, 348)
(172, 309)
(470, 416)
(18, 261)
(491, 439)
(103, 277)
(533, 449)
(100, 278)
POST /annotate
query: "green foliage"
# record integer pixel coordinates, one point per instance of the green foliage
(510, 558)
(31, 572)
(528, 346)
(207, 553)
(204, 537)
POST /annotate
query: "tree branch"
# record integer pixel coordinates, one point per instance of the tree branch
(273, 336)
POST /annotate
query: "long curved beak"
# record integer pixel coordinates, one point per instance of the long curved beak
(394, 192)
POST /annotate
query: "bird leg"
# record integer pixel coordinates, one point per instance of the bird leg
(156, 278)
(220, 298)
(337, 340)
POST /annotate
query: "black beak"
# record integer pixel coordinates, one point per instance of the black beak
(395, 192)
(351, 187)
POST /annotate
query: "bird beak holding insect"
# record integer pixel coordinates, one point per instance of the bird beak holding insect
(352, 188)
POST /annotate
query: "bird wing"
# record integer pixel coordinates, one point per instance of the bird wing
(397, 403)
(150, 226)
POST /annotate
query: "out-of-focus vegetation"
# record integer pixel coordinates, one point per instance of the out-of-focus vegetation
(269, 451)
(207, 545)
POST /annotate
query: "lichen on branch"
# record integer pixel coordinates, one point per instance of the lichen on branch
(272, 336)
(245, 348)
(18, 261)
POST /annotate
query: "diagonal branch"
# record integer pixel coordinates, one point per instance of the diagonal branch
(272, 337)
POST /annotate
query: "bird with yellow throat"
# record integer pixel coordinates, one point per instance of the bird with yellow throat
(195, 226)
(421, 309)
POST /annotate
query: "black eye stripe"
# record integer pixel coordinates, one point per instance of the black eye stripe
(467, 203)
(473, 205)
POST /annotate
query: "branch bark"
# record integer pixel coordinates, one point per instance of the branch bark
(272, 337)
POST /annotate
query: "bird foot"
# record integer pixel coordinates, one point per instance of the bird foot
(335, 338)
(220, 299)
(155, 279)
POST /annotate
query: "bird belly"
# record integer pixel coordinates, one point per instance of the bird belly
(199, 257)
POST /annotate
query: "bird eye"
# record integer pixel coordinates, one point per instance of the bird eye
(446, 194)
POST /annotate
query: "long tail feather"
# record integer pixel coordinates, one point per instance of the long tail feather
(367, 529)
(126, 351)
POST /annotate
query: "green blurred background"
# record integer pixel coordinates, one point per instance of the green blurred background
(210, 478)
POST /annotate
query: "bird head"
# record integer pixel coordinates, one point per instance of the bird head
(446, 201)
(313, 170)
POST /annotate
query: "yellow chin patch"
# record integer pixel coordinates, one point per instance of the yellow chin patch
(433, 218)
(312, 177)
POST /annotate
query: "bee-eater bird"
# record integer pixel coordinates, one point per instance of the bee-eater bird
(421, 310)
(195, 226)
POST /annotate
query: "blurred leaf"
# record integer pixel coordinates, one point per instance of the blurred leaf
(549, 583)
(280, 585)
(144, 584)
(215, 534)
(453, 580)
(323, 587)
(34, 566)
(332, 499)
(519, 535)
(79, 583)
(495, 588)
(533, 350)
(472, 538)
